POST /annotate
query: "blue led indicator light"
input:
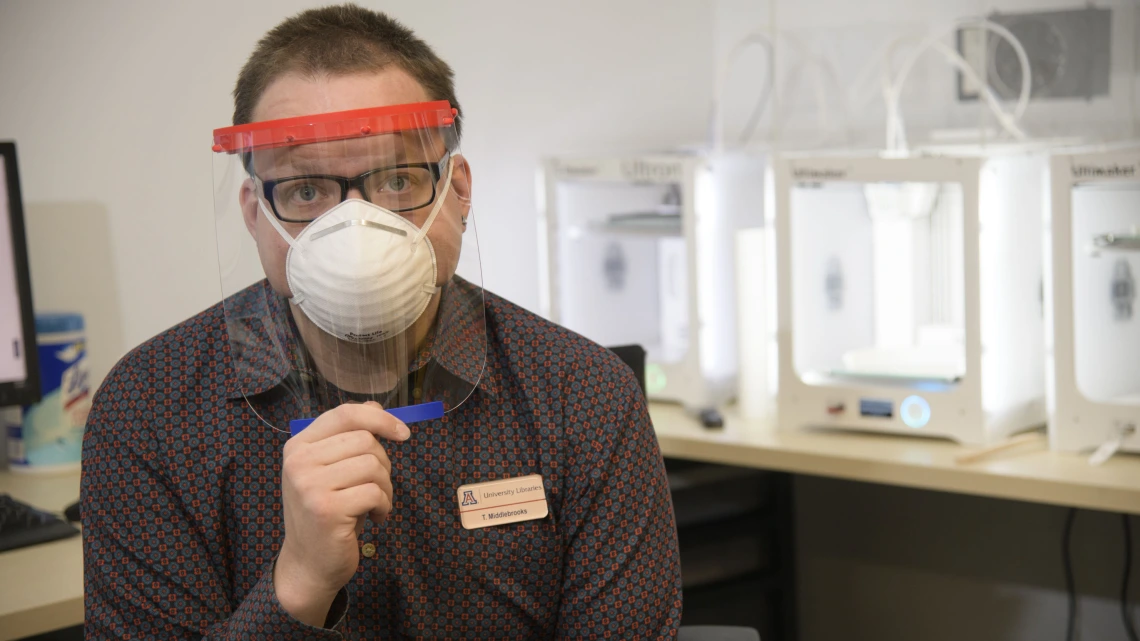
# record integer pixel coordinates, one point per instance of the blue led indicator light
(915, 412)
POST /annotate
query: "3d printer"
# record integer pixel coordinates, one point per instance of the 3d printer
(1094, 337)
(910, 293)
(638, 249)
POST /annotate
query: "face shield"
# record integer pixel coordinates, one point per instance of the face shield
(339, 239)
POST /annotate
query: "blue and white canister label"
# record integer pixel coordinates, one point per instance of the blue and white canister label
(52, 432)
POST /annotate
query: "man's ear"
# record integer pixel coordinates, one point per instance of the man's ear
(461, 182)
(247, 197)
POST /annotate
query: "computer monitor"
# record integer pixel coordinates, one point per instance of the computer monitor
(19, 364)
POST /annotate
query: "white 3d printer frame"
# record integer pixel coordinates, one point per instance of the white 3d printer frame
(716, 195)
(1094, 359)
(1001, 389)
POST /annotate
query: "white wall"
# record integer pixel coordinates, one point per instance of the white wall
(849, 35)
(112, 104)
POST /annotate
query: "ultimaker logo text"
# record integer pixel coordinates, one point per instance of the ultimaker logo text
(807, 173)
(1107, 171)
(649, 171)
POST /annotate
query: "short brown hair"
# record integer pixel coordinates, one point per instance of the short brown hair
(341, 39)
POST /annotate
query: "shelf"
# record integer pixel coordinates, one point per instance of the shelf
(724, 550)
(710, 493)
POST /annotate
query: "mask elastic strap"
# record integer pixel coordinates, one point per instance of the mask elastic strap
(438, 203)
(277, 225)
(293, 244)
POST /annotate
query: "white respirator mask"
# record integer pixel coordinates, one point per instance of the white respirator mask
(360, 272)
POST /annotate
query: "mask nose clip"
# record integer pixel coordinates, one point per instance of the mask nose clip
(359, 222)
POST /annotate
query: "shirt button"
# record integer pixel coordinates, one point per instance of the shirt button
(368, 550)
(417, 393)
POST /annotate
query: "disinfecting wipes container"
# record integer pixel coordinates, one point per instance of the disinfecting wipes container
(10, 426)
(51, 436)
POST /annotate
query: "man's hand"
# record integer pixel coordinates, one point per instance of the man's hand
(333, 474)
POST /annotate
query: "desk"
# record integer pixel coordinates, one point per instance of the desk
(41, 587)
(1030, 473)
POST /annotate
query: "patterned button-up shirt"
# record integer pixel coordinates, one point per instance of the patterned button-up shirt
(182, 512)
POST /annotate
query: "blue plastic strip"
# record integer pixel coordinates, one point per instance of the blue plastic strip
(416, 413)
(409, 414)
(296, 426)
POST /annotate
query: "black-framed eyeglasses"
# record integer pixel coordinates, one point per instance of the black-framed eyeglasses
(397, 188)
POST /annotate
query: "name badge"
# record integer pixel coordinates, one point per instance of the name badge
(503, 501)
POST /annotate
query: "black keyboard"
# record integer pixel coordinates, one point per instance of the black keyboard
(22, 525)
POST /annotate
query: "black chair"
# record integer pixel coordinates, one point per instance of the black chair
(634, 356)
(717, 633)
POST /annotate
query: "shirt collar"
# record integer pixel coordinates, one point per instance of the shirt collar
(263, 346)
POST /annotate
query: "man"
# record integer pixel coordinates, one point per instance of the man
(204, 518)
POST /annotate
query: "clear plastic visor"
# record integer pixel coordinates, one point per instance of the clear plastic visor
(340, 245)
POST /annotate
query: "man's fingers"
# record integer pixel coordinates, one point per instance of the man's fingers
(352, 417)
(346, 445)
(358, 470)
(364, 499)
(339, 464)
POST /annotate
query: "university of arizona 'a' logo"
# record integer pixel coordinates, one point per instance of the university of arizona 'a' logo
(468, 498)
